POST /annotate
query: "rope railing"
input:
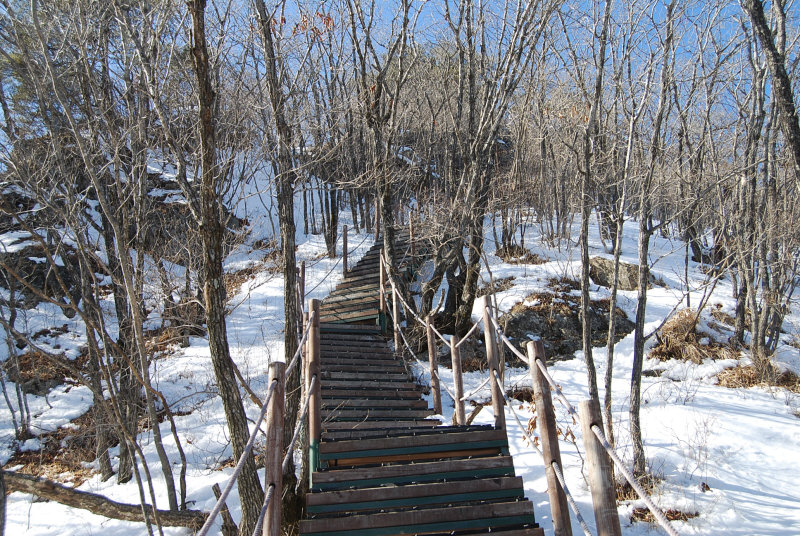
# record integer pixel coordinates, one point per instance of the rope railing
(239, 465)
(469, 333)
(257, 531)
(298, 427)
(657, 513)
(571, 500)
(300, 344)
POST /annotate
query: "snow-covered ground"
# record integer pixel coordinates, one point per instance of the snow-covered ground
(742, 443)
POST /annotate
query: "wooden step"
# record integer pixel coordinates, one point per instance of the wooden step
(430, 471)
(373, 423)
(364, 364)
(424, 521)
(366, 376)
(363, 413)
(343, 392)
(410, 495)
(375, 403)
(442, 441)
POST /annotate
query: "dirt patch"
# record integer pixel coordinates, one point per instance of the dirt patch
(643, 514)
(745, 376)
(498, 285)
(554, 317)
(680, 339)
(517, 254)
(37, 373)
(65, 453)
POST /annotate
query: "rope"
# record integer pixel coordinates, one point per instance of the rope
(264, 508)
(296, 434)
(659, 515)
(300, 344)
(556, 468)
(413, 314)
(570, 498)
(508, 342)
(325, 278)
(470, 332)
(481, 386)
(239, 465)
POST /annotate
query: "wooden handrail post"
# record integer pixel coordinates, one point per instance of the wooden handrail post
(396, 319)
(489, 337)
(344, 250)
(601, 480)
(434, 366)
(377, 217)
(273, 453)
(315, 402)
(458, 381)
(551, 452)
(382, 291)
(302, 284)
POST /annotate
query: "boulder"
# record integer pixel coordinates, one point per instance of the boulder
(601, 271)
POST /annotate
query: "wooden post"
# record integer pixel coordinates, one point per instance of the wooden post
(437, 395)
(302, 284)
(601, 481)
(377, 217)
(546, 421)
(315, 402)
(273, 453)
(344, 250)
(458, 381)
(382, 292)
(490, 339)
(396, 320)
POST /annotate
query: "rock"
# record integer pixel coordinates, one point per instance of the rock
(601, 272)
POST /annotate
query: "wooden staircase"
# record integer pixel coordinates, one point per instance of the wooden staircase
(385, 466)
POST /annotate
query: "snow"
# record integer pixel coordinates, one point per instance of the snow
(741, 443)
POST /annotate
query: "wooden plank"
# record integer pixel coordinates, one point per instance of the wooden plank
(370, 376)
(347, 318)
(418, 472)
(434, 489)
(372, 423)
(345, 329)
(372, 403)
(374, 413)
(338, 392)
(452, 518)
(443, 439)
(364, 457)
(361, 384)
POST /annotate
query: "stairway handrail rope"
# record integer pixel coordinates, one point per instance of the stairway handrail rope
(251, 440)
(411, 311)
(299, 351)
(436, 372)
(570, 499)
(299, 424)
(657, 513)
(239, 464)
(257, 531)
(335, 265)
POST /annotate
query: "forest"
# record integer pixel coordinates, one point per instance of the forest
(144, 142)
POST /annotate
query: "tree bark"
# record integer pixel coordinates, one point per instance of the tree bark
(94, 503)
(212, 231)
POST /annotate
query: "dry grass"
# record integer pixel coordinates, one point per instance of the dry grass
(519, 255)
(64, 454)
(745, 376)
(498, 285)
(680, 339)
(643, 514)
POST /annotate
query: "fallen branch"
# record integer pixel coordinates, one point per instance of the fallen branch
(97, 504)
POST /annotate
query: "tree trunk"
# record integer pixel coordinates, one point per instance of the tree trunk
(212, 232)
(96, 504)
